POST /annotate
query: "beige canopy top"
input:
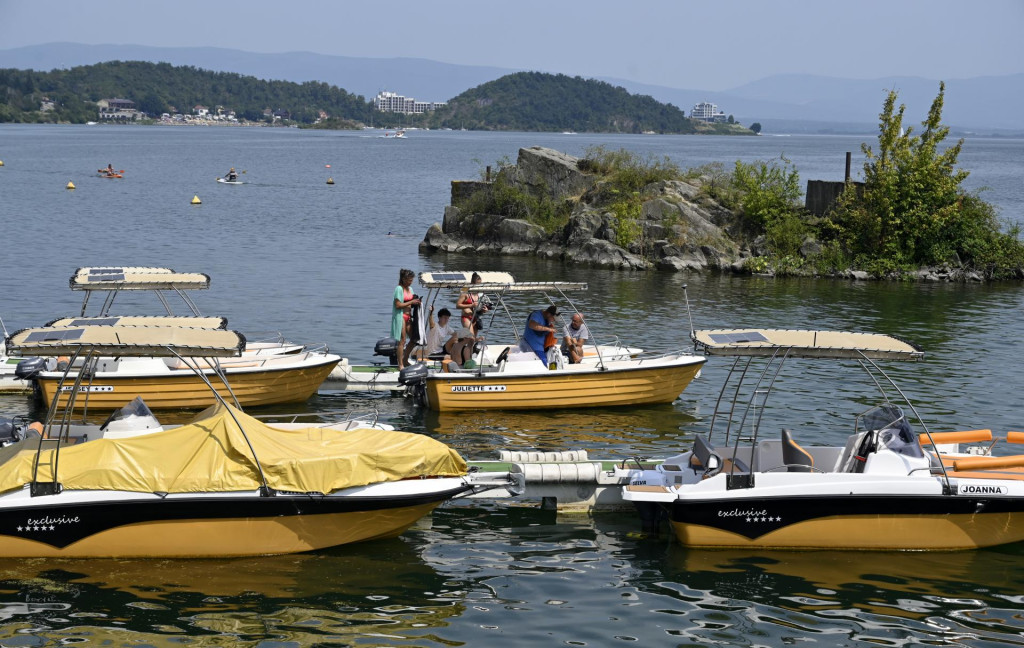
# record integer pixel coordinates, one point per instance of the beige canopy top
(144, 320)
(463, 278)
(137, 278)
(493, 282)
(805, 344)
(127, 341)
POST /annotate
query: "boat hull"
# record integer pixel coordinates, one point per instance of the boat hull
(635, 384)
(208, 526)
(877, 522)
(184, 389)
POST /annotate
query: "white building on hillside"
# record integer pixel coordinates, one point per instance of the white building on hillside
(392, 102)
(708, 112)
(117, 109)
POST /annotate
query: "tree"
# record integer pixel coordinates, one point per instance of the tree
(756, 127)
(912, 210)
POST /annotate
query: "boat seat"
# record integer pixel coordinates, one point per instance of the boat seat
(707, 460)
(795, 458)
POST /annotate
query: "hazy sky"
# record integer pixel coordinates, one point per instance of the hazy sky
(712, 45)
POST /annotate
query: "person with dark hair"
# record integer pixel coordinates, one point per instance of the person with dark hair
(402, 301)
(469, 303)
(540, 326)
(442, 334)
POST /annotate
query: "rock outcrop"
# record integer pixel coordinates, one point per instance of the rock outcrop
(677, 228)
(673, 226)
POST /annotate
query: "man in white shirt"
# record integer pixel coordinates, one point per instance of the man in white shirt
(442, 333)
(576, 335)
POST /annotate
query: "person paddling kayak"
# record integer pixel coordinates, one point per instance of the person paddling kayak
(231, 176)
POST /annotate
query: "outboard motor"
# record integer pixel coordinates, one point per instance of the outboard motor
(414, 377)
(29, 367)
(11, 431)
(387, 347)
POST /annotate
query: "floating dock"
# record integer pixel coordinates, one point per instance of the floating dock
(567, 481)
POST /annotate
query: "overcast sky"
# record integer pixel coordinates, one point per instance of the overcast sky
(712, 45)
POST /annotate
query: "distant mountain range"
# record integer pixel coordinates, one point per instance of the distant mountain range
(782, 103)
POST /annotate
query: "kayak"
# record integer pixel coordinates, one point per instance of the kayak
(230, 182)
(109, 175)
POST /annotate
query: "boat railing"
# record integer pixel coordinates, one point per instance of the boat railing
(265, 337)
(350, 420)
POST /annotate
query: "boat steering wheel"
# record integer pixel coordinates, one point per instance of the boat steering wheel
(503, 356)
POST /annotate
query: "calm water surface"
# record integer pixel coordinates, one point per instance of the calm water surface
(290, 252)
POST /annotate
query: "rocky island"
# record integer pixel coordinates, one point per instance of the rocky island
(679, 227)
(911, 218)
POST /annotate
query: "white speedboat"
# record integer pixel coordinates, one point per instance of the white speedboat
(224, 485)
(888, 487)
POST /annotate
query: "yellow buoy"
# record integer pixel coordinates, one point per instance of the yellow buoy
(196, 201)
(69, 185)
(1, 162)
(330, 180)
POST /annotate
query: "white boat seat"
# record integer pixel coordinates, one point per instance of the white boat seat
(795, 458)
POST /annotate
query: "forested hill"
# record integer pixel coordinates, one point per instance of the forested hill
(524, 101)
(556, 102)
(157, 88)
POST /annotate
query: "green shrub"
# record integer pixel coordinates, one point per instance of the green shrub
(769, 191)
(626, 171)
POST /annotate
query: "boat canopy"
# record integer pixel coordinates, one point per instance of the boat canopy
(137, 278)
(144, 320)
(127, 341)
(805, 344)
(463, 278)
(493, 282)
(212, 454)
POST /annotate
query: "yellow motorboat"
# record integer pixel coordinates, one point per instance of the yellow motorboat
(513, 375)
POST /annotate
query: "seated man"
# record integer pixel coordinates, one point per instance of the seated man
(576, 335)
(460, 351)
(441, 335)
(539, 325)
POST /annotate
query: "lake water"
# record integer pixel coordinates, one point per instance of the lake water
(290, 252)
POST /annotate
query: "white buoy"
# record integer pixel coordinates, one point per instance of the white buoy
(196, 201)
(69, 185)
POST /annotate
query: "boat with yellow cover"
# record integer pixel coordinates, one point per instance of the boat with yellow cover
(609, 375)
(223, 485)
(889, 487)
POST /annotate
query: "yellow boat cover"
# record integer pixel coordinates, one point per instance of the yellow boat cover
(211, 455)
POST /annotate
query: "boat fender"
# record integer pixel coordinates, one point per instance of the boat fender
(559, 473)
(28, 368)
(413, 374)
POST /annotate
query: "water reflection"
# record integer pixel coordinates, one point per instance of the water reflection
(382, 589)
(606, 433)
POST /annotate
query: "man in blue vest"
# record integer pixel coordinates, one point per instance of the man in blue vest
(538, 326)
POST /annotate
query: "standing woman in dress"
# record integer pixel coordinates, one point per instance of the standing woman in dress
(402, 301)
